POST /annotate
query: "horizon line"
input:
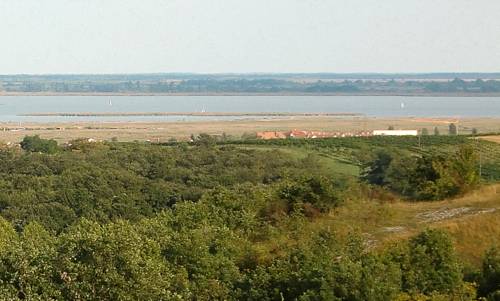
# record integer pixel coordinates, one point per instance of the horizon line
(259, 73)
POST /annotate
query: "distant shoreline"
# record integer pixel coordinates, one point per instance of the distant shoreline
(55, 94)
(200, 114)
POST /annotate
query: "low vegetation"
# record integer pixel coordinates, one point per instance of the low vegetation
(427, 177)
(329, 219)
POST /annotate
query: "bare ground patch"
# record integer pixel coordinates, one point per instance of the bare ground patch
(491, 138)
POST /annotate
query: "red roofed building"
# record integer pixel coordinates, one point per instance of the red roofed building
(271, 135)
(298, 134)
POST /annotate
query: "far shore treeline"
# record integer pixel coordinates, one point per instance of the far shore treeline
(357, 84)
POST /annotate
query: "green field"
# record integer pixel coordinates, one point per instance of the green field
(342, 155)
(473, 219)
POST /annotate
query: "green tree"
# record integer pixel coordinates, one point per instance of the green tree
(37, 144)
(436, 131)
(374, 172)
(439, 177)
(315, 190)
(321, 270)
(430, 177)
(452, 129)
(465, 168)
(424, 132)
(113, 262)
(399, 176)
(429, 264)
(490, 277)
(28, 267)
(204, 139)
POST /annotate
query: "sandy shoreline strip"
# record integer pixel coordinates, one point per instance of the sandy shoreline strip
(181, 130)
(202, 114)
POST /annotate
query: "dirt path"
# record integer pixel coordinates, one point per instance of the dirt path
(492, 138)
(473, 221)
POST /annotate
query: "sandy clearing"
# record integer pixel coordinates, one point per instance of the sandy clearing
(492, 138)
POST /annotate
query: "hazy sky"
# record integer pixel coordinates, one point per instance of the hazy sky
(128, 36)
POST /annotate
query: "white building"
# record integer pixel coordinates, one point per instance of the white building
(395, 133)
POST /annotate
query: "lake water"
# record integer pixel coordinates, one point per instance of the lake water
(11, 107)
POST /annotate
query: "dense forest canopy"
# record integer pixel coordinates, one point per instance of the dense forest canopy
(231, 220)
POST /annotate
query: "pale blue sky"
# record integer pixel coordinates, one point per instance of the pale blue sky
(129, 36)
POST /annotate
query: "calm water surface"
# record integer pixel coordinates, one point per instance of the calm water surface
(11, 107)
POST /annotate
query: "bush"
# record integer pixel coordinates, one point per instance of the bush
(37, 144)
(317, 191)
(429, 264)
(430, 177)
(490, 280)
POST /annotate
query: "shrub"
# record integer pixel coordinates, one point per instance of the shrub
(37, 144)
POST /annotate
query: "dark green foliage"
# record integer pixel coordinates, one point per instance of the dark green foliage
(316, 191)
(374, 142)
(441, 177)
(37, 144)
(204, 140)
(104, 182)
(430, 177)
(430, 265)
(188, 253)
(490, 281)
(324, 270)
(112, 262)
(375, 171)
(212, 221)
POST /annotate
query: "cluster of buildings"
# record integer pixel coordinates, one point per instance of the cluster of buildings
(319, 134)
